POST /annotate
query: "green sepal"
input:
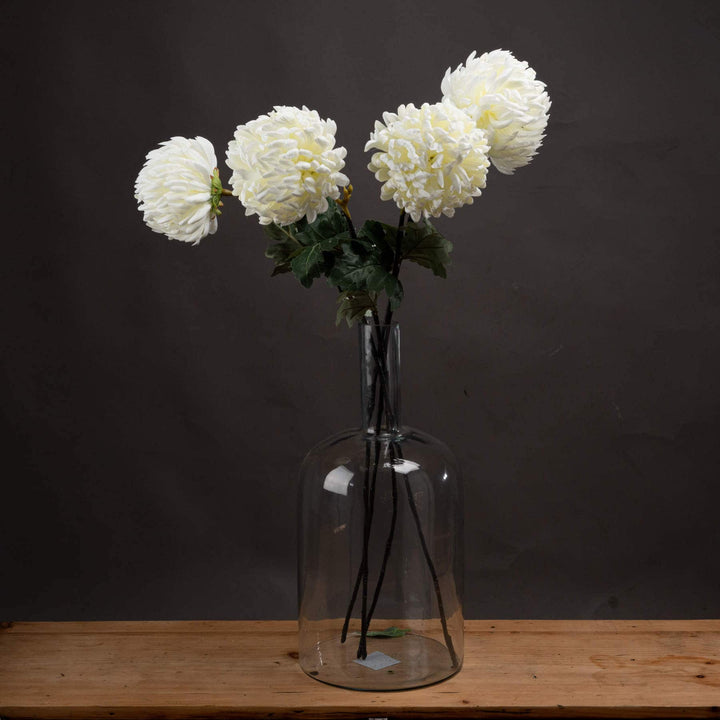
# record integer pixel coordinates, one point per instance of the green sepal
(216, 189)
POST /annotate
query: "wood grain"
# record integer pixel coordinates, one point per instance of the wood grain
(173, 670)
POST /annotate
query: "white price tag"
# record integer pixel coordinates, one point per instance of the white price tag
(377, 661)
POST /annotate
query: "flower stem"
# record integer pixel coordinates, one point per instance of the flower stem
(351, 227)
(391, 534)
(379, 395)
(396, 264)
(396, 451)
(398, 245)
(365, 626)
(359, 577)
(343, 205)
(364, 561)
(431, 567)
(370, 506)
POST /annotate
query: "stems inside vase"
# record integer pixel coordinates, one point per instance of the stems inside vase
(379, 395)
(384, 441)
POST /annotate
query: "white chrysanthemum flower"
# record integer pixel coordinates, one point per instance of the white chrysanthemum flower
(503, 97)
(178, 189)
(285, 165)
(432, 159)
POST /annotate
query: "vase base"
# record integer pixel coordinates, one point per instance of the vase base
(400, 663)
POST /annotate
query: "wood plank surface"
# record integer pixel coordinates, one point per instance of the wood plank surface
(173, 670)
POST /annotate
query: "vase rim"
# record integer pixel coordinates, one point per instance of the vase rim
(368, 321)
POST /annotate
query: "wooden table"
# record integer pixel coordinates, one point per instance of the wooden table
(121, 670)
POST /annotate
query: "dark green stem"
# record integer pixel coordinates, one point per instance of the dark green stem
(391, 534)
(365, 625)
(370, 506)
(369, 487)
(359, 577)
(349, 222)
(431, 567)
(396, 264)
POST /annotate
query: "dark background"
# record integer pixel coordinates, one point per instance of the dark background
(157, 398)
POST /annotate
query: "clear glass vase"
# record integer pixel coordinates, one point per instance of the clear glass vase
(380, 543)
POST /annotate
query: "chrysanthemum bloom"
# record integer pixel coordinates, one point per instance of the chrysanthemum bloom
(285, 165)
(431, 159)
(178, 189)
(503, 97)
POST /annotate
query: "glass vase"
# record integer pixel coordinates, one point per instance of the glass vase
(380, 543)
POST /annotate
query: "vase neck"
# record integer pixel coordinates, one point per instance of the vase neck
(380, 377)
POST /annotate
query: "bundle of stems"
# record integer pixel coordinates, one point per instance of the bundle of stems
(378, 445)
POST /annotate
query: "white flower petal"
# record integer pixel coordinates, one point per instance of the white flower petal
(432, 159)
(504, 98)
(296, 151)
(173, 189)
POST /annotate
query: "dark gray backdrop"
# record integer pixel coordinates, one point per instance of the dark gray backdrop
(157, 398)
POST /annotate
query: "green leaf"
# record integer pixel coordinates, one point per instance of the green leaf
(382, 239)
(424, 245)
(276, 233)
(313, 261)
(283, 249)
(320, 241)
(327, 225)
(281, 268)
(379, 234)
(352, 305)
(360, 266)
(350, 271)
(302, 247)
(391, 632)
(365, 264)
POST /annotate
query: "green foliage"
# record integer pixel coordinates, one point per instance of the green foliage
(353, 305)
(366, 264)
(329, 224)
(424, 245)
(391, 632)
(307, 249)
(284, 248)
(360, 268)
(314, 260)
